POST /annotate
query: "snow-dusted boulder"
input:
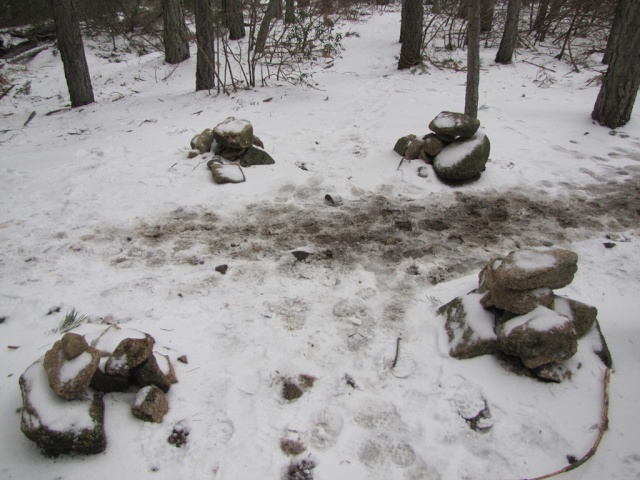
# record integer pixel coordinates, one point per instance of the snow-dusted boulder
(463, 159)
(403, 142)
(59, 426)
(450, 125)
(73, 345)
(582, 315)
(226, 173)
(70, 379)
(256, 156)
(234, 133)
(125, 348)
(156, 370)
(469, 327)
(517, 301)
(432, 145)
(540, 337)
(414, 148)
(150, 404)
(530, 269)
(202, 142)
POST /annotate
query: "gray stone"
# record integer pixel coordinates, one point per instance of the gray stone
(463, 159)
(256, 156)
(59, 426)
(151, 373)
(129, 353)
(432, 144)
(516, 301)
(226, 173)
(234, 133)
(202, 142)
(470, 329)
(103, 382)
(401, 145)
(540, 337)
(227, 153)
(73, 345)
(150, 404)
(582, 315)
(530, 269)
(257, 142)
(413, 149)
(487, 274)
(70, 379)
(452, 125)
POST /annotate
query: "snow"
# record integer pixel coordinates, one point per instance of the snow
(232, 125)
(541, 319)
(444, 120)
(232, 172)
(481, 321)
(109, 339)
(101, 210)
(532, 261)
(456, 152)
(71, 368)
(142, 395)
(55, 413)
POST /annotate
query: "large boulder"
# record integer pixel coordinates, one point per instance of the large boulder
(157, 370)
(150, 404)
(70, 379)
(469, 327)
(540, 337)
(451, 125)
(582, 315)
(234, 133)
(463, 159)
(517, 301)
(256, 156)
(125, 348)
(531, 269)
(202, 142)
(59, 426)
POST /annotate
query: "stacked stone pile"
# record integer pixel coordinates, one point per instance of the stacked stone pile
(231, 141)
(63, 409)
(457, 149)
(515, 311)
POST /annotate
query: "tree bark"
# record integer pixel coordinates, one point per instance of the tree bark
(621, 82)
(539, 24)
(175, 34)
(510, 35)
(486, 15)
(473, 58)
(614, 35)
(411, 32)
(290, 11)
(265, 25)
(205, 36)
(234, 18)
(76, 70)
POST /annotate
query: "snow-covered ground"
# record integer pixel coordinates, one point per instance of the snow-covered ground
(102, 211)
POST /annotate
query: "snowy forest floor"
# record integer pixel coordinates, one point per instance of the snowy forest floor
(102, 211)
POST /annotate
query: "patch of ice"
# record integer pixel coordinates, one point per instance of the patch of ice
(71, 368)
(541, 319)
(456, 152)
(54, 412)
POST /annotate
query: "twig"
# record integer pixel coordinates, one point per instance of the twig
(67, 109)
(604, 422)
(200, 163)
(31, 116)
(400, 164)
(171, 72)
(395, 360)
(4, 94)
(539, 66)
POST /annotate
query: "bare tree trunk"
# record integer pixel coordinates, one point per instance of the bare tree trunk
(510, 35)
(436, 8)
(205, 36)
(621, 82)
(486, 15)
(175, 34)
(76, 70)
(234, 18)
(290, 11)
(614, 35)
(541, 20)
(473, 58)
(411, 31)
(265, 25)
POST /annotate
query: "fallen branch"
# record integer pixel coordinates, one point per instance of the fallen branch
(604, 422)
(539, 66)
(4, 94)
(395, 360)
(31, 117)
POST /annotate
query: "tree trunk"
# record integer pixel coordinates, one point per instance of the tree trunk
(621, 82)
(265, 25)
(411, 31)
(234, 18)
(473, 58)
(290, 11)
(436, 7)
(486, 15)
(175, 34)
(510, 35)
(614, 35)
(71, 48)
(539, 24)
(205, 36)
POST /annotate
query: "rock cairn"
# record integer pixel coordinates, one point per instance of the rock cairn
(457, 149)
(515, 312)
(234, 146)
(63, 409)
